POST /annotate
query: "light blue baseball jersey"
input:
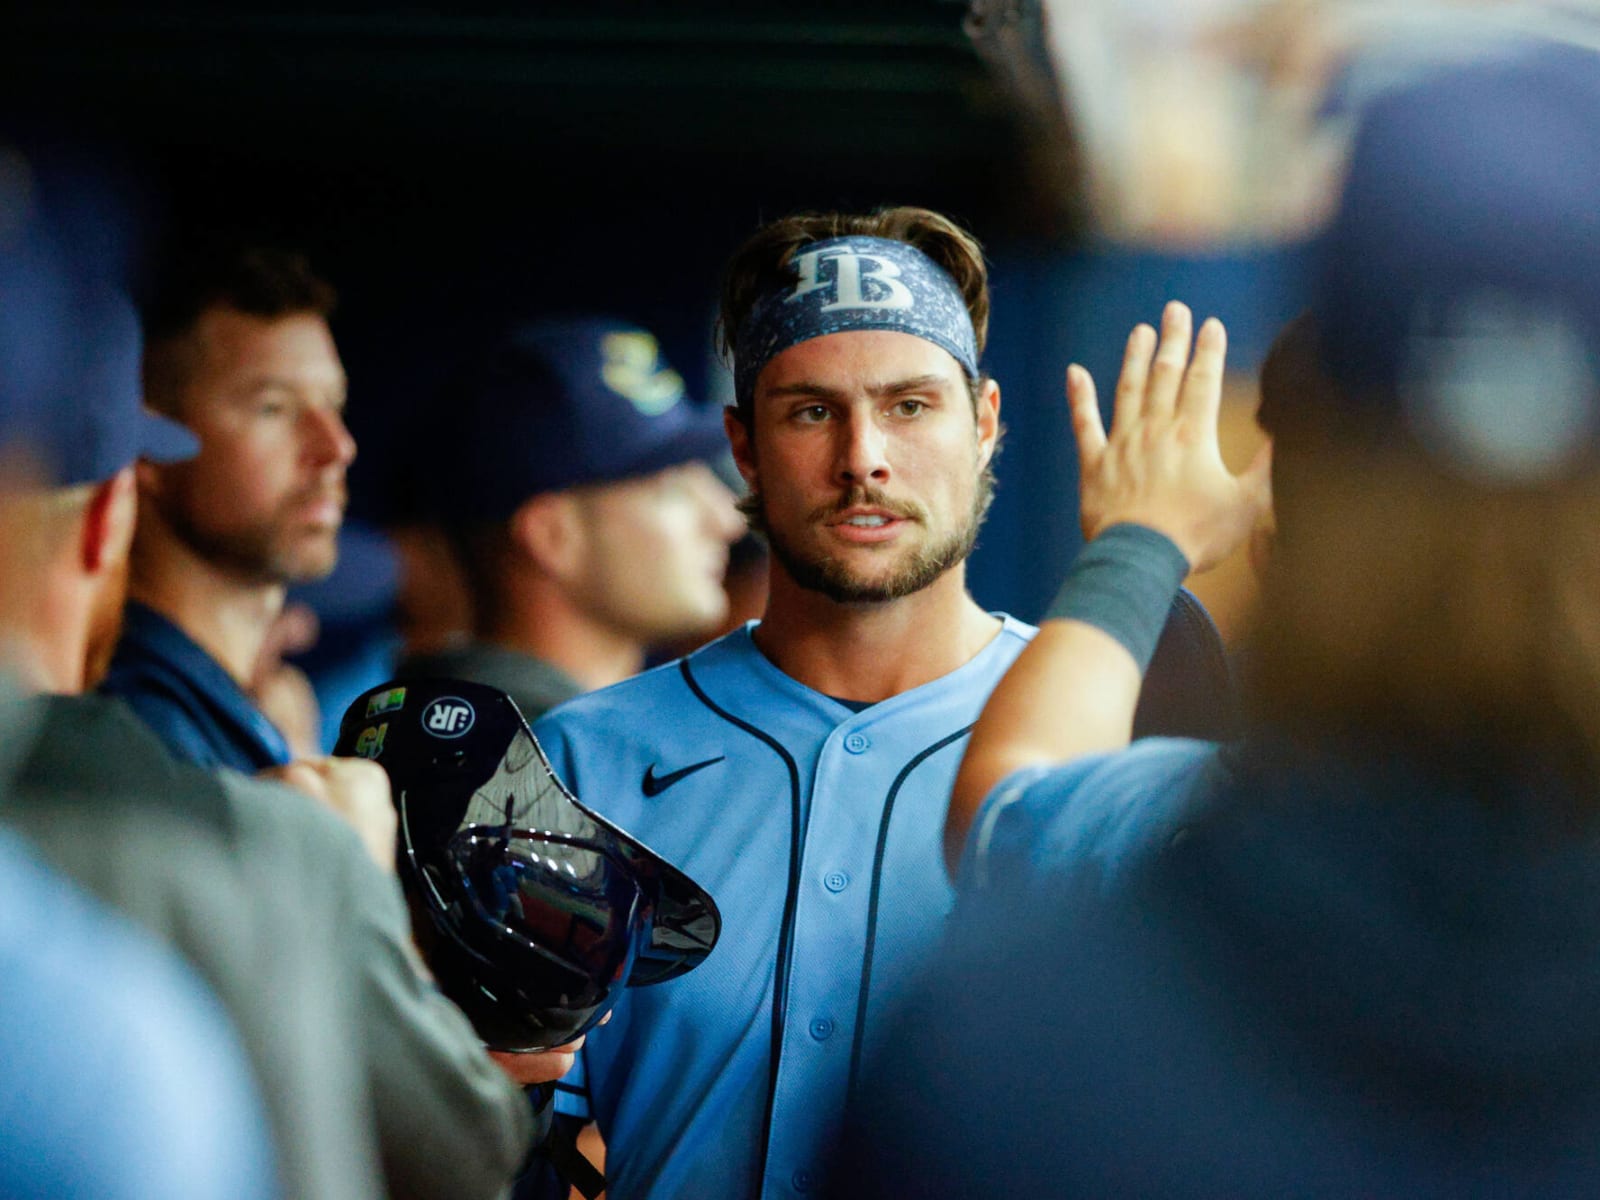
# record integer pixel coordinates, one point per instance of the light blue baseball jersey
(818, 831)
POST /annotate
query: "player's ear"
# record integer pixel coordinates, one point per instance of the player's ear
(548, 528)
(988, 417)
(740, 442)
(107, 528)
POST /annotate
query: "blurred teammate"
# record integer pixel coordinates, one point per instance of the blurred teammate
(1355, 954)
(120, 1075)
(590, 525)
(374, 1083)
(802, 767)
(238, 349)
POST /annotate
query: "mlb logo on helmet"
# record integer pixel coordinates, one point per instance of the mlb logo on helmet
(448, 717)
(386, 702)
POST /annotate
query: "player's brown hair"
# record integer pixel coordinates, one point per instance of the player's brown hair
(259, 281)
(1407, 601)
(763, 263)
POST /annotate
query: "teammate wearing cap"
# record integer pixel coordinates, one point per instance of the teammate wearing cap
(799, 767)
(374, 1083)
(576, 486)
(238, 349)
(1354, 954)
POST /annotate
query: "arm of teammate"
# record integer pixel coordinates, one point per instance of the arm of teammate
(1073, 691)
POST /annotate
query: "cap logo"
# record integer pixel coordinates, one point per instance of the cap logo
(630, 365)
(448, 717)
(883, 282)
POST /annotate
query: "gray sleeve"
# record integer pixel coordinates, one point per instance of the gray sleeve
(451, 1124)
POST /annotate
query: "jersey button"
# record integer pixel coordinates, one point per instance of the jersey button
(821, 1029)
(802, 1180)
(836, 881)
(857, 743)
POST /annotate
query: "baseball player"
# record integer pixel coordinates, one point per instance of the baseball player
(575, 483)
(800, 767)
(1353, 954)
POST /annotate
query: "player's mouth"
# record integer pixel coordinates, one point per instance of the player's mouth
(323, 509)
(866, 526)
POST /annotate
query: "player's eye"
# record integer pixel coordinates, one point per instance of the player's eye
(909, 407)
(811, 414)
(272, 402)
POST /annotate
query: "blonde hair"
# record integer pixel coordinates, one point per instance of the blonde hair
(1431, 609)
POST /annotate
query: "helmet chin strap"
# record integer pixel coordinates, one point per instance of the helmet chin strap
(555, 1143)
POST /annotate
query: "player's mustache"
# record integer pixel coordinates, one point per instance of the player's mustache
(869, 497)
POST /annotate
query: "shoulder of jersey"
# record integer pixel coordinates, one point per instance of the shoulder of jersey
(658, 685)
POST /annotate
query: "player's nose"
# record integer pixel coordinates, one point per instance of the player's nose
(862, 451)
(328, 439)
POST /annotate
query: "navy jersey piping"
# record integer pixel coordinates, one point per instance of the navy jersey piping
(877, 881)
(791, 902)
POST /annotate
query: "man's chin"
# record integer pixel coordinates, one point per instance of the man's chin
(844, 586)
(312, 560)
(312, 571)
(872, 577)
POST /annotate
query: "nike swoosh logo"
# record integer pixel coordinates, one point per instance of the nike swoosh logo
(655, 784)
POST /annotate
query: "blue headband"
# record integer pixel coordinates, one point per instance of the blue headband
(850, 283)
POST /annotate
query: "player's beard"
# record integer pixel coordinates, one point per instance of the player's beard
(265, 551)
(819, 572)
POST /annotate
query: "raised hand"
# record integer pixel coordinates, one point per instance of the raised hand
(1161, 465)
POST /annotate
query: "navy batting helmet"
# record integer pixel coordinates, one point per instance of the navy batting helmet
(531, 910)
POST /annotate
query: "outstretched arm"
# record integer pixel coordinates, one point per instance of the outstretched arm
(1073, 691)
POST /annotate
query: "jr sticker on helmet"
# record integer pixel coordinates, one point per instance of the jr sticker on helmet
(448, 717)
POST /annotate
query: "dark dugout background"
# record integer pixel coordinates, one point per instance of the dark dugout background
(448, 166)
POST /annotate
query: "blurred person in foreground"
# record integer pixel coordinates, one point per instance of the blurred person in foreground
(1355, 954)
(591, 527)
(801, 766)
(120, 1075)
(238, 350)
(374, 1083)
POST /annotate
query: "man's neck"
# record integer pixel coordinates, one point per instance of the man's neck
(43, 665)
(554, 631)
(872, 651)
(226, 616)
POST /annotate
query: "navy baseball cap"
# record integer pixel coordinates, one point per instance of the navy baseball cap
(70, 391)
(1460, 290)
(564, 403)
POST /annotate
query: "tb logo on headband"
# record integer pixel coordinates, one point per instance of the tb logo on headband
(884, 289)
